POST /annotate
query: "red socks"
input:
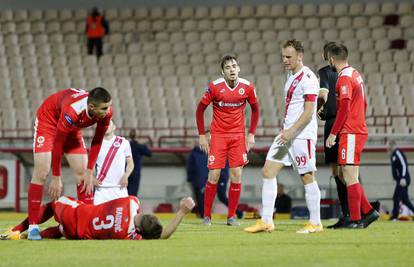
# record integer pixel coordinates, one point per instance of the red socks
(234, 197)
(209, 196)
(357, 200)
(82, 196)
(51, 233)
(35, 194)
(365, 205)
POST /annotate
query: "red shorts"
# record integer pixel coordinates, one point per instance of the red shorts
(231, 147)
(65, 215)
(350, 148)
(44, 138)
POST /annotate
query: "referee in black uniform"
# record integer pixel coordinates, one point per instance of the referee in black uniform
(327, 112)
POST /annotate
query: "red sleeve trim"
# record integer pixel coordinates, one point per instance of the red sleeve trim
(310, 98)
(200, 118)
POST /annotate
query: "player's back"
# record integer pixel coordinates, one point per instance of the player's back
(110, 220)
(351, 86)
(327, 80)
(52, 106)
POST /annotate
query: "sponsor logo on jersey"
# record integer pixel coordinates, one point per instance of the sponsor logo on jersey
(68, 119)
(241, 91)
(222, 90)
(344, 89)
(230, 105)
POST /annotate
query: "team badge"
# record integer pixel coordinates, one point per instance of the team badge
(241, 91)
(211, 159)
(40, 139)
(295, 82)
(117, 144)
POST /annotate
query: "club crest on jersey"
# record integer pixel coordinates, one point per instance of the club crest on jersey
(295, 82)
(117, 144)
(211, 159)
(241, 91)
(40, 139)
(208, 90)
(68, 119)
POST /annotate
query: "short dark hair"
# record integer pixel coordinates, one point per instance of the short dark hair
(227, 58)
(326, 49)
(150, 227)
(132, 134)
(339, 52)
(99, 95)
(296, 44)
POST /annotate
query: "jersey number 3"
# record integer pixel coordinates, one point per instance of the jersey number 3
(99, 224)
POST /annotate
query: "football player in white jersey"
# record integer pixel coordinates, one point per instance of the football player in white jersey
(295, 144)
(113, 167)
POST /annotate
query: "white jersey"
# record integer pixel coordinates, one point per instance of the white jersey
(302, 83)
(111, 162)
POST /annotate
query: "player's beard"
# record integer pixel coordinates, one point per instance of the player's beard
(333, 68)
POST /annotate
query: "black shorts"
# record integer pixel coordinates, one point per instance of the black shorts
(331, 154)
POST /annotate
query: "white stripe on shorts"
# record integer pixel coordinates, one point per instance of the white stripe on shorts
(350, 149)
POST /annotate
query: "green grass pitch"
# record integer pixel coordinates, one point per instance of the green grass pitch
(382, 244)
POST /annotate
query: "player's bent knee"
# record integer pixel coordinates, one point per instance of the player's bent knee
(267, 172)
(308, 178)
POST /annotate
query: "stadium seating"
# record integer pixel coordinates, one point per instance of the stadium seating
(158, 61)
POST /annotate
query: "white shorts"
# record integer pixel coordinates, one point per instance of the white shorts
(103, 195)
(302, 154)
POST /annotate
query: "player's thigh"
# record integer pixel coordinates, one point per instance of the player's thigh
(277, 154)
(41, 167)
(74, 143)
(271, 168)
(217, 154)
(303, 154)
(237, 153)
(350, 148)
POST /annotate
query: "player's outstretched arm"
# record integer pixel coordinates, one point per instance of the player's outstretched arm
(186, 205)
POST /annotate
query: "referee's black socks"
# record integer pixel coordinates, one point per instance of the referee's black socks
(342, 195)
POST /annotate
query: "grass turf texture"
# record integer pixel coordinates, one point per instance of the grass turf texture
(383, 244)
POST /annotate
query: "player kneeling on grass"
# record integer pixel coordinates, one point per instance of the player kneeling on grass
(115, 219)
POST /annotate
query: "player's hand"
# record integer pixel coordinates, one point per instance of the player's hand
(55, 187)
(330, 141)
(403, 182)
(320, 112)
(250, 142)
(186, 205)
(285, 136)
(203, 143)
(124, 181)
(88, 182)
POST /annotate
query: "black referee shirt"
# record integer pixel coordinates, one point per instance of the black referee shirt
(327, 79)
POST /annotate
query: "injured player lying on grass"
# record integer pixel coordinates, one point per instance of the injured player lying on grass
(116, 219)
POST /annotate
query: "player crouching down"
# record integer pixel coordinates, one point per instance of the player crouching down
(115, 219)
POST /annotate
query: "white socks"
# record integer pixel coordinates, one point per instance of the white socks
(313, 201)
(269, 193)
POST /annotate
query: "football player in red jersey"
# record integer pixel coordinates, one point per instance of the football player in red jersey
(58, 126)
(115, 219)
(228, 141)
(352, 129)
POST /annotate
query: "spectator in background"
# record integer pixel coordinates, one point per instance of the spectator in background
(402, 177)
(283, 201)
(138, 150)
(96, 28)
(197, 174)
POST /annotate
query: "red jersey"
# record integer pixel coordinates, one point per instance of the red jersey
(351, 86)
(67, 111)
(110, 220)
(229, 104)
